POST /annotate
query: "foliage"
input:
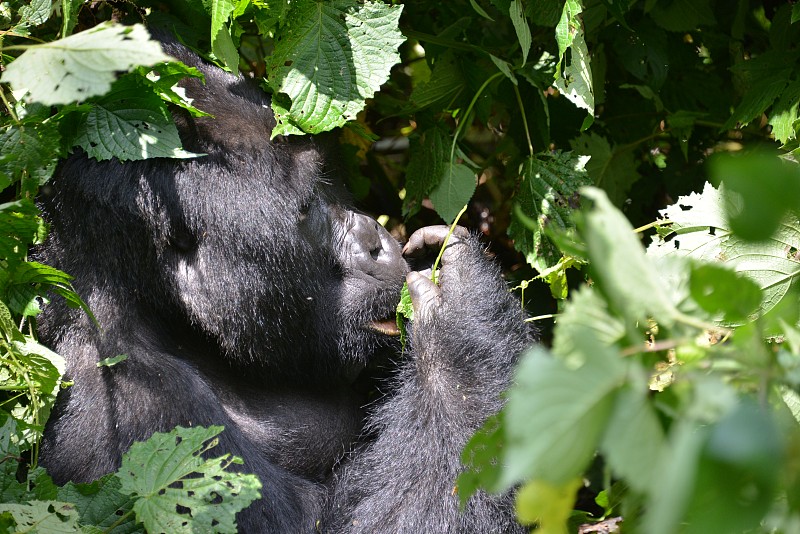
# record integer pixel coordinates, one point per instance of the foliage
(668, 393)
(163, 486)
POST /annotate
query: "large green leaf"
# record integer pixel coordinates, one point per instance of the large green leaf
(558, 410)
(330, 58)
(130, 123)
(169, 471)
(81, 65)
(699, 229)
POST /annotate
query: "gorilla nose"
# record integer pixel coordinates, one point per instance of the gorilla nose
(371, 249)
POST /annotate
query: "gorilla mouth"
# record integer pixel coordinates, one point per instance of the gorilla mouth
(386, 327)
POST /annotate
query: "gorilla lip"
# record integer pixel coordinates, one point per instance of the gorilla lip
(387, 327)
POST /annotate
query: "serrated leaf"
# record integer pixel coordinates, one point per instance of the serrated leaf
(480, 458)
(445, 83)
(31, 152)
(168, 470)
(428, 156)
(454, 191)
(20, 226)
(765, 78)
(101, 505)
(36, 12)
(548, 193)
(130, 123)
(612, 169)
(81, 65)
(52, 517)
(330, 58)
(221, 41)
(576, 82)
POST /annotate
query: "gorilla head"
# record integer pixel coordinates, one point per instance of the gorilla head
(249, 245)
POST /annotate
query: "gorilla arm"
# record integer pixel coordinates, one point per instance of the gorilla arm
(465, 339)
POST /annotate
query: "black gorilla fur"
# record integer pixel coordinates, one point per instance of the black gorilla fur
(245, 293)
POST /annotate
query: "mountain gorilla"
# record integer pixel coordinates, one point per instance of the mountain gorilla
(246, 293)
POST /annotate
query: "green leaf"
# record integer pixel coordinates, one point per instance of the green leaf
(20, 226)
(634, 441)
(783, 116)
(515, 11)
(576, 82)
(573, 398)
(622, 272)
(101, 504)
(112, 361)
(221, 41)
(612, 169)
(81, 65)
(547, 505)
(683, 15)
(759, 189)
(130, 123)
(699, 230)
(720, 290)
(480, 458)
(36, 12)
(765, 78)
(168, 470)
(454, 191)
(740, 463)
(52, 517)
(547, 196)
(446, 82)
(163, 80)
(31, 152)
(586, 311)
(331, 57)
(428, 156)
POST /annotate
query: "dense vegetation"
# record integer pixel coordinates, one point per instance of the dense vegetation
(668, 392)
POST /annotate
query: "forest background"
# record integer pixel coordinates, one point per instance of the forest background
(631, 162)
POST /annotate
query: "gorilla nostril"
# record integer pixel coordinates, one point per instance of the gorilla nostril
(375, 253)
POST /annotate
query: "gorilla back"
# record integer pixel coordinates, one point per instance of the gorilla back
(245, 293)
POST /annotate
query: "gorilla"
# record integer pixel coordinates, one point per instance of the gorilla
(246, 293)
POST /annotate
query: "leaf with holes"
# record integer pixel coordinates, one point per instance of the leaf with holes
(130, 123)
(168, 472)
(81, 65)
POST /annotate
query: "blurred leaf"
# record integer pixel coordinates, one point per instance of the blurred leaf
(622, 272)
(720, 290)
(547, 505)
(573, 396)
(759, 189)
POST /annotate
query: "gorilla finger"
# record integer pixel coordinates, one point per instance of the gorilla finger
(425, 295)
(431, 237)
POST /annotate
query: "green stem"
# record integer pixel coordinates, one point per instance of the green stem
(524, 119)
(446, 239)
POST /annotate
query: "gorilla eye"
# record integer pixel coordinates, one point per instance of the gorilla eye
(183, 241)
(304, 210)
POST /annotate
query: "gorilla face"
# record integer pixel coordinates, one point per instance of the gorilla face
(280, 245)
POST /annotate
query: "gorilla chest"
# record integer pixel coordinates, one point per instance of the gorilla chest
(304, 432)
